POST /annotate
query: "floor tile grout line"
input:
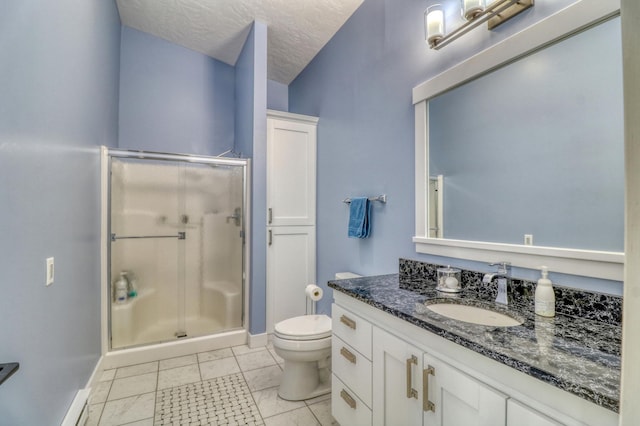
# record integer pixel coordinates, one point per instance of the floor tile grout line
(135, 421)
(288, 411)
(250, 392)
(155, 393)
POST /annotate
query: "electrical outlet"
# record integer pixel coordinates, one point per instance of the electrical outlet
(528, 239)
(50, 271)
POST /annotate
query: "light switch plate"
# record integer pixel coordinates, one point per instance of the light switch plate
(50, 271)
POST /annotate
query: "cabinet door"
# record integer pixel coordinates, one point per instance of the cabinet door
(397, 378)
(291, 173)
(459, 400)
(519, 414)
(291, 266)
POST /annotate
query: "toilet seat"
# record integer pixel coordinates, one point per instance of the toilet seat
(306, 327)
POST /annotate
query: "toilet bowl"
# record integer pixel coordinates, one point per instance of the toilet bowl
(305, 345)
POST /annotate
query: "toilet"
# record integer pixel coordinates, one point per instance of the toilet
(304, 343)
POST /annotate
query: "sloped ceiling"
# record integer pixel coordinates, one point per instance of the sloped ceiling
(297, 29)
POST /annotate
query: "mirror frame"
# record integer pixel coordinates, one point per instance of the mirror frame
(566, 22)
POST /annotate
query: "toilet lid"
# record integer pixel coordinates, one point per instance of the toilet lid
(306, 327)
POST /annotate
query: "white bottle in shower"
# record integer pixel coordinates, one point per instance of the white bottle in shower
(121, 289)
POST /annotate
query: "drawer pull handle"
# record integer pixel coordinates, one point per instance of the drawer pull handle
(348, 322)
(411, 393)
(426, 404)
(270, 215)
(348, 355)
(348, 399)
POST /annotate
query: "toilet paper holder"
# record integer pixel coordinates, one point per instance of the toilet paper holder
(313, 294)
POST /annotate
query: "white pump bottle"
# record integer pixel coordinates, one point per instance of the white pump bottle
(545, 298)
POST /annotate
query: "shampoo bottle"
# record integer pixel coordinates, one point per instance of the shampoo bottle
(545, 299)
(121, 288)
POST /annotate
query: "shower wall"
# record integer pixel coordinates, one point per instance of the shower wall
(192, 285)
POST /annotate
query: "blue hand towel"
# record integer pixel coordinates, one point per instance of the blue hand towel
(359, 217)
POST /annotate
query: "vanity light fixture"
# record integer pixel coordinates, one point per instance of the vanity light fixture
(475, 14)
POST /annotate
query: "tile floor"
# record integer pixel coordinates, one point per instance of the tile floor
(231, 386)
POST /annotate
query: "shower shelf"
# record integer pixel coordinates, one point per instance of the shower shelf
(131, 301)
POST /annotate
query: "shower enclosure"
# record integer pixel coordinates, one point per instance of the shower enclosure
(176, 246)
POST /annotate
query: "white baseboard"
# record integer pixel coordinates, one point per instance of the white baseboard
(257, 340)
(78, 413)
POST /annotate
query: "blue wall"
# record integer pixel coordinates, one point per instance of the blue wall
(277, 96)
(58, 103)
(173, 99)
(251, 141)
(360, 86)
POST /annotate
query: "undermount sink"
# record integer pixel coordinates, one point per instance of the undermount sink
(473, 314)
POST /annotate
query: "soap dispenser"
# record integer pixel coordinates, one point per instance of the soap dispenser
(545, 298)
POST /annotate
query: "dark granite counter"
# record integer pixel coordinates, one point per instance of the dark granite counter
(578, 355)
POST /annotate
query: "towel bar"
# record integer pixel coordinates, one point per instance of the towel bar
(382, 198)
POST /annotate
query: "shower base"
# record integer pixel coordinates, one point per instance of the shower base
(180, 347)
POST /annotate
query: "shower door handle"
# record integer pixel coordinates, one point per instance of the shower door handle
(270, 237)
(236, 216)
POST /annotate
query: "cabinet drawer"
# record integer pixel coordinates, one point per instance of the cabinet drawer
(353, 329)
(352, 368)
(346, 407)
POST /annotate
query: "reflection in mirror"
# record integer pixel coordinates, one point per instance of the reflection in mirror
(534, 148)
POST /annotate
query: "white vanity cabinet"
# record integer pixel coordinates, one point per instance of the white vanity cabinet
(351, 368)
(461, 387)
(397, 381)
(413, 388)
(455, 398)
(519, 414)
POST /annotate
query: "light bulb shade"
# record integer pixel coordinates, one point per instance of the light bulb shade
(471, 8)
(434, 24)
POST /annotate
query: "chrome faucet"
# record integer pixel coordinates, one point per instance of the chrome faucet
(504, 271)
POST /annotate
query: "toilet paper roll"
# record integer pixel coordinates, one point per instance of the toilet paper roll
(313, 292)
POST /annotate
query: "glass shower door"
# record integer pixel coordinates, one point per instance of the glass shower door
(213, 212)
(146, 249)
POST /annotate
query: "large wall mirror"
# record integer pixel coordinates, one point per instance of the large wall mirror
(524, 160)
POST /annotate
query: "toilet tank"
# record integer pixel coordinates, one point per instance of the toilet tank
(346, 275)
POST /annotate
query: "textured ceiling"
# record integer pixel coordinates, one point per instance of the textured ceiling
(297, 29)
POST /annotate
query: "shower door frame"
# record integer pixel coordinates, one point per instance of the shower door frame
(105, 251)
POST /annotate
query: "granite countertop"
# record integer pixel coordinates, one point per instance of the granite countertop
(578, 355)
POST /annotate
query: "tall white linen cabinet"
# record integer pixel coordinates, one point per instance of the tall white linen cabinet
(291, 213)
